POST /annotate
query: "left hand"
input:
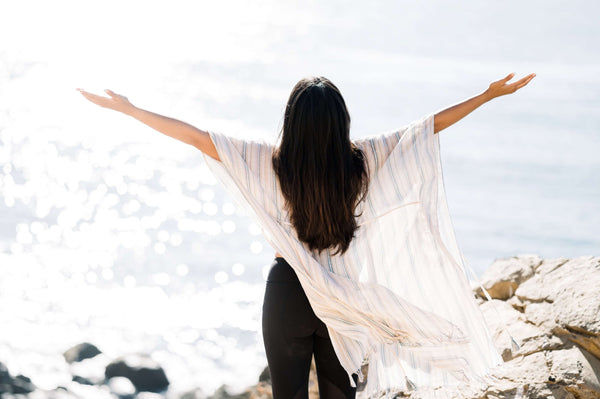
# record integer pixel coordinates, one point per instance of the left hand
(500, 87)
(116, 101)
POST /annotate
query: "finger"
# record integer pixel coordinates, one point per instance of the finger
(112, 94)
(525, 78)
(508, 77)
(87, 93)
(93, 96)
(524, 81)
(96, 99)
(529, 77)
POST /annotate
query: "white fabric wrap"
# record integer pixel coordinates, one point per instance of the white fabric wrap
(399, 297)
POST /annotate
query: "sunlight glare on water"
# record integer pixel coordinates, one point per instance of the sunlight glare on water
(115, 234)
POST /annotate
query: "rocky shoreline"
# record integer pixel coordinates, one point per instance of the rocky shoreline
(550, 306)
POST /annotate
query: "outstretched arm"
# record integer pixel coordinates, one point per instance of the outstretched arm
(453, 114)
(175, 128)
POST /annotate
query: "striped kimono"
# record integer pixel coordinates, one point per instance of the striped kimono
(399, 298)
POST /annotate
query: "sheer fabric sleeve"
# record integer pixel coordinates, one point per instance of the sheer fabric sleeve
(411, 136)
(403, 166)
(244, 157)
(246, 172)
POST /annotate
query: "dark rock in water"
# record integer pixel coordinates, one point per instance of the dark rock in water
(142, 371)
(82, 380)
(5, 379)
(221, 393)
(265, 376)
(22, 384)
(17, 385)
(81, 351)
(4, 374)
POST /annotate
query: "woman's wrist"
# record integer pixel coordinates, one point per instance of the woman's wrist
(131, 110)
(488, 95)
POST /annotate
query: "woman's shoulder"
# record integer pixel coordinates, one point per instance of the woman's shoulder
(249, 148)
(249, 142)
(377, 147)
(384, 140)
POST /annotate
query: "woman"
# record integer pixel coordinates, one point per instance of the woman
(329, 206)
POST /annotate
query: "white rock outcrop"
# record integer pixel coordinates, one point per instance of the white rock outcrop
(552, 308)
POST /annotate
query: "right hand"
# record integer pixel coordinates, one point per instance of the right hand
(116, 101)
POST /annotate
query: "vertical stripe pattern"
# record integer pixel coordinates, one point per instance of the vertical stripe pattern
(399, 298)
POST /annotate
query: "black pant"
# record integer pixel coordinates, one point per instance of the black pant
(291, 333)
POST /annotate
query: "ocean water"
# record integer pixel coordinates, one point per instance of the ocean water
(113, 233)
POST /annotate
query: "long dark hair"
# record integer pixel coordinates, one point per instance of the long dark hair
(322, 174)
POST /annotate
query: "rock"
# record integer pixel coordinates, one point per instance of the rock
(76, 390)
(141, 370)
(502, 319)
(554, 314)
(4, 374)
(572, 288)
(265, 375)
(561, 301)
(541, 314)
(577, 369)
(503, 277)
(91, 370)
(526, 369)
(81, 351)
(260, 391)
(81, 380)
(513, 301)
(222, 393)
(587, 340)
(19, 384)
(22, 384)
